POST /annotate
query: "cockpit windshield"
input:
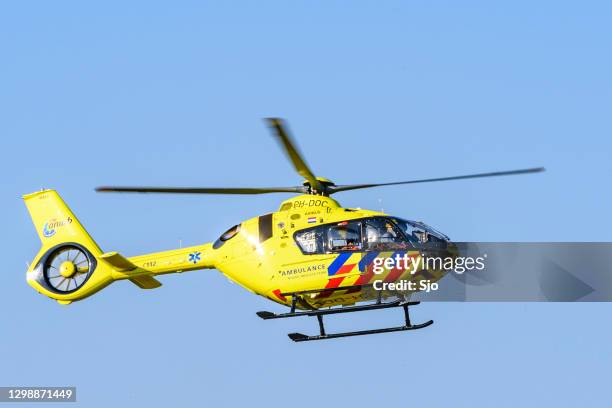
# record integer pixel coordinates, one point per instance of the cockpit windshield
(383, 234)
(417, 231)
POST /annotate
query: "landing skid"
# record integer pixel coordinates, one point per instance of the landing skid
(347, 309)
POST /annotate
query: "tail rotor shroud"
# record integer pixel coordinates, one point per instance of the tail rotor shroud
(67, 267)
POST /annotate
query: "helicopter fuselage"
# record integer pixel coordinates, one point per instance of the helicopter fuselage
(292, 250)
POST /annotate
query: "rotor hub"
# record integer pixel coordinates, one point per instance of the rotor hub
(67, 269)
(324, 184)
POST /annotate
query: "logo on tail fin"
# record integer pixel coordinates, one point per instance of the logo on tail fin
(48, 232)
(51, 226)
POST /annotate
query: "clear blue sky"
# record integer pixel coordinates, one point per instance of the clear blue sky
(173, 94)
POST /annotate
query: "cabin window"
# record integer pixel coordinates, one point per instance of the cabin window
(340, 237)
(227, 235)
(310, 241)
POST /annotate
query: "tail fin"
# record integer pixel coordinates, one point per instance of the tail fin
(64, 267)
(55, 223)
(71, 266)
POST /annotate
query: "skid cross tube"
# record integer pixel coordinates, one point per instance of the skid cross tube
(321, 326)
(406, 315)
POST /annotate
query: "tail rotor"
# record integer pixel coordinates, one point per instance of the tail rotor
(67, 268)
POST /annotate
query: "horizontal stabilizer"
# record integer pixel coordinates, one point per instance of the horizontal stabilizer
(118, 261)
(145, 282)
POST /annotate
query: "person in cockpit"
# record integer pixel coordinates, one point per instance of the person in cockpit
(390, 235)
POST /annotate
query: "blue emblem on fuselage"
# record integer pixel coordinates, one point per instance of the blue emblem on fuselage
(194, 257)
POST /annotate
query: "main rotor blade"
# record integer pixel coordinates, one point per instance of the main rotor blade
(335, 189)
(199, 190)
(293, 153)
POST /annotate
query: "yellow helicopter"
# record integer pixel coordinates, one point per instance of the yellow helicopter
(311, 255)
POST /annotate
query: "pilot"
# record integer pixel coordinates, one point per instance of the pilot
(348, 237)
(389, 235)
(421, 236)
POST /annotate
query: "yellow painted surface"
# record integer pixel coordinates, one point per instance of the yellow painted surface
(268, 268)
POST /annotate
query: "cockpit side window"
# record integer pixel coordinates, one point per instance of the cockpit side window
(344, 236)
